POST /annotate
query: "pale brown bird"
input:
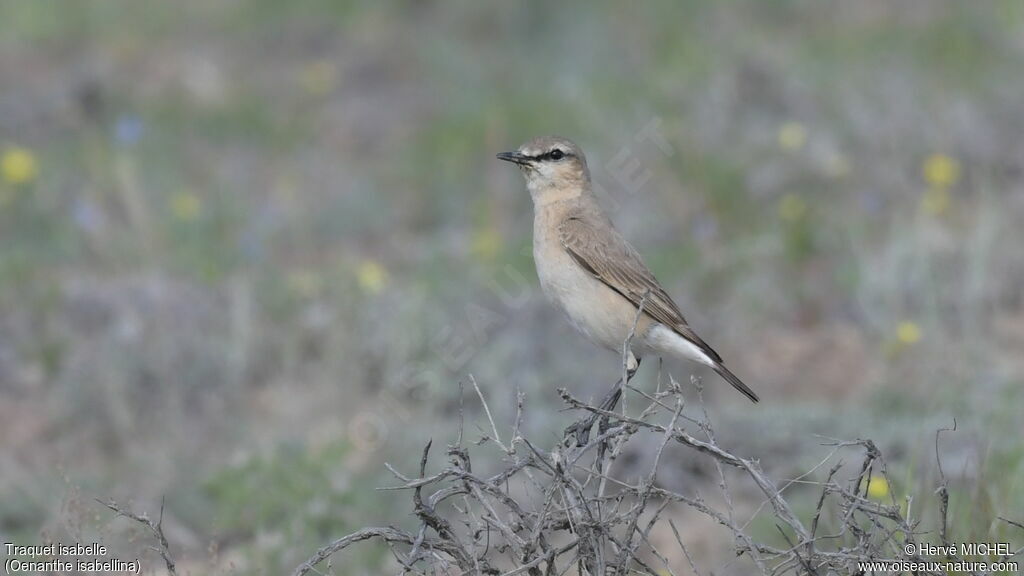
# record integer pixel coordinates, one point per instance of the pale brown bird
(592, 273)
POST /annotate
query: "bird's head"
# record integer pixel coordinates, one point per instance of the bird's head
(552, 166)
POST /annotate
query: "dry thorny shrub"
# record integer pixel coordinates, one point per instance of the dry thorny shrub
(562, 511)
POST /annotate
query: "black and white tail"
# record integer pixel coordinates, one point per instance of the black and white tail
(672, 343)
(736, 382)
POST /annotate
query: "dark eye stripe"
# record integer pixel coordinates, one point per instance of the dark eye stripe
(552, 156)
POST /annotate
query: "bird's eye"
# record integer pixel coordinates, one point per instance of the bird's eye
(556, 154)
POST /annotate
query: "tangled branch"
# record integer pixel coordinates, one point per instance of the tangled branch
(549, 512)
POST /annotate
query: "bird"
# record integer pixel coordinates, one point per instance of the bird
(594, 275)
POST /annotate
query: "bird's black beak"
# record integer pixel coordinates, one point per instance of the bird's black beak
(514, 157)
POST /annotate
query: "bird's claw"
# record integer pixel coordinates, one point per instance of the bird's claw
(580, 430)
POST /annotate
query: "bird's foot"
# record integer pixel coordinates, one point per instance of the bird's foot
(580, 430)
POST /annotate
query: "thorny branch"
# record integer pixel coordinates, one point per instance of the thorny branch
(157, 528)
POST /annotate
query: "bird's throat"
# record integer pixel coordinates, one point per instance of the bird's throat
(545, 194)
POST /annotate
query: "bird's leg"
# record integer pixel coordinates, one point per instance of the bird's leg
(581, 428)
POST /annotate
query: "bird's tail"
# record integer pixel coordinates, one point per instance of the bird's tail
(735, 381)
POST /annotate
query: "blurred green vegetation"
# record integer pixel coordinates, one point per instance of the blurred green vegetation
(294, 497)
(237, 226)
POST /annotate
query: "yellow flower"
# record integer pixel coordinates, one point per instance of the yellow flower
(792, 136)
(792, 207)
(908, 333)
(940, 171)
(304, 283)
(18, 166)
(186, 206)
(487, 243)
(372, 276)
(878, 488)
(319, 77)
(935, 201)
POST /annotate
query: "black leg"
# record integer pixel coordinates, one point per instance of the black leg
(581, 428)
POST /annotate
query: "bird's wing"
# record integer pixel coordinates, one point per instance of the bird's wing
(610, 258)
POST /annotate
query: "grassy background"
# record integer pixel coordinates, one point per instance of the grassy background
(249, 249)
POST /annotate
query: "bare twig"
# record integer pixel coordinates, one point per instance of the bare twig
(157, 528)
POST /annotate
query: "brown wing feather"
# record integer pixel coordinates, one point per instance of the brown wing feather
(610, 258)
